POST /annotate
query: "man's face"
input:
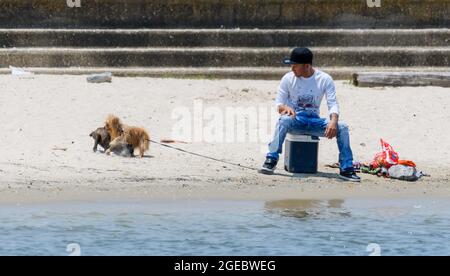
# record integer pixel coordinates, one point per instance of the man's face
(301, 70)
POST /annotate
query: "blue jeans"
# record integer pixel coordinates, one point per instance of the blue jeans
(311, 124)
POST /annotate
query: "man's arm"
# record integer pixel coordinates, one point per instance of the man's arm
(332, 128)
(333, 109)
(330, 94)
(282, 98)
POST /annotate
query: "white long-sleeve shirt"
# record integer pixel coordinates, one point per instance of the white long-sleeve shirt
(306, 94)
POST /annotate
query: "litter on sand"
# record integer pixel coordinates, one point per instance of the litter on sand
(20, 72)
(387, 164)
(100, 78)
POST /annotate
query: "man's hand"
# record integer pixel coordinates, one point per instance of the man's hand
(332, 128)
(286, 110)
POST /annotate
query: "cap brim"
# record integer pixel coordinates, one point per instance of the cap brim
(288, 61)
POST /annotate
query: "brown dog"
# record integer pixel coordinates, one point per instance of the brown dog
(114, 126)
(120, 133)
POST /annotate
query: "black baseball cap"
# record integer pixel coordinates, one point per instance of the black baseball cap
(300, 56)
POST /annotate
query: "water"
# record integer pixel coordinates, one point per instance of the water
(291, 227)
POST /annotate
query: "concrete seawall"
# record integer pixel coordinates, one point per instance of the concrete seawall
(229, 38)
(224, 13)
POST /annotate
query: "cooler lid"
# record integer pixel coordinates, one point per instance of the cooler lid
(302, 138)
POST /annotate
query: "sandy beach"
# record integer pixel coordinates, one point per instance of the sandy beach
(47, 152)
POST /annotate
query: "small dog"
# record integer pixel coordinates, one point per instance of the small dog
(121, 133)
(101, 137)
